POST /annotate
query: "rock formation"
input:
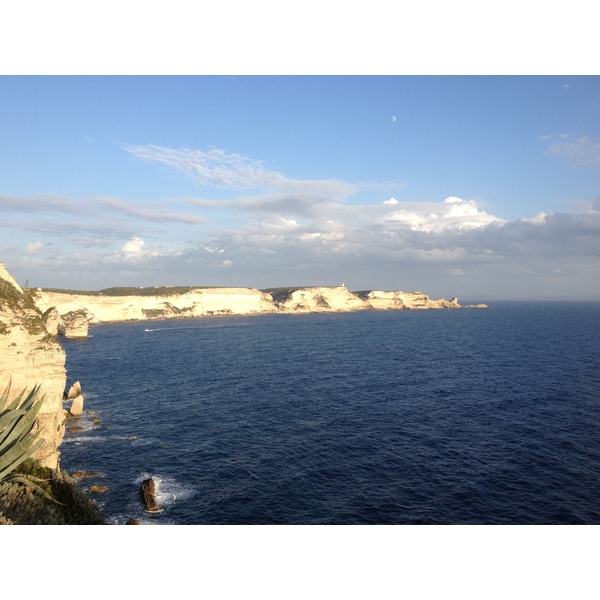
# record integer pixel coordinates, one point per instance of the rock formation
(148, 494)
(405, 300)
(76, 409)
(74, 324)
(320, 299)
(29, 355)
(51, 320)
(75, 394)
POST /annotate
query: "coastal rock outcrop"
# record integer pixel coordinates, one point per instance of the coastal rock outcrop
(29, 355)
(405, 300)
(51, 320)
(74, 324)
(319, 299)
(76, 409)
(76, 396)
(148, 495)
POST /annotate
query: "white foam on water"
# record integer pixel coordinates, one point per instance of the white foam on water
(145, 519)
(142, 441)
(80, 439)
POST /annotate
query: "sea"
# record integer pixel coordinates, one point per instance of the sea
(438, 417)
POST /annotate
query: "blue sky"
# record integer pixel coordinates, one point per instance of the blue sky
(483, 187)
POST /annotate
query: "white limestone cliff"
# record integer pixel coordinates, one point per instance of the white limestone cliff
(407, 300)
(198, 302)
(321, 299)
(29, 356)
(202, 302)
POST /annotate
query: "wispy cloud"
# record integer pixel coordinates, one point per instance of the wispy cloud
(581, 151)
(219, 168)
(147, 211)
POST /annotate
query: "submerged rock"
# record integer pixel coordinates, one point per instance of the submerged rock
(81, 474)
(98, 489)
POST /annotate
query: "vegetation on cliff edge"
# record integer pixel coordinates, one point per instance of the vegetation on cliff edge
(29, 493)
(131, 291)
(68, 505)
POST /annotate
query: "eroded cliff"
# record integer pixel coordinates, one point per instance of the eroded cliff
(160, 303)
(29, 356)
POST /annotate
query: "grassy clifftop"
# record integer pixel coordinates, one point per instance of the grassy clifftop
(128, 291)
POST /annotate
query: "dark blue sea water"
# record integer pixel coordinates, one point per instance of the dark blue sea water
(379, 417)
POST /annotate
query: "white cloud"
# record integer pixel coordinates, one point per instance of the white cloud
(390, 201)
(452, 213)
(33, 247)
(133, 248)
(538, 219)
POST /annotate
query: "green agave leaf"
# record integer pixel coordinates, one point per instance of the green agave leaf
(7, 423)
(21, 429)
(4, 397)
(10, 460)
(31, 397)
(15, 403)
(10, 416)
(17, 420)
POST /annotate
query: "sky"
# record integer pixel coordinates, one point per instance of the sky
(485, 187)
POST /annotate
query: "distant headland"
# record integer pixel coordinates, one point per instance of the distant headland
(69, 312)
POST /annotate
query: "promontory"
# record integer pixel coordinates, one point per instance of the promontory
(71, 311)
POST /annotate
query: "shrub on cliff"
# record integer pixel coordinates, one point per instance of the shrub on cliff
(29, 493)
(63, 504)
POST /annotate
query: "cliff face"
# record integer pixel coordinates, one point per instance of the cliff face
(409, 300)
(201, 302)
(30, 356)
(321, 299)
(196, 303)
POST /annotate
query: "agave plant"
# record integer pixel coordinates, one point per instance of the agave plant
(17, 443)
